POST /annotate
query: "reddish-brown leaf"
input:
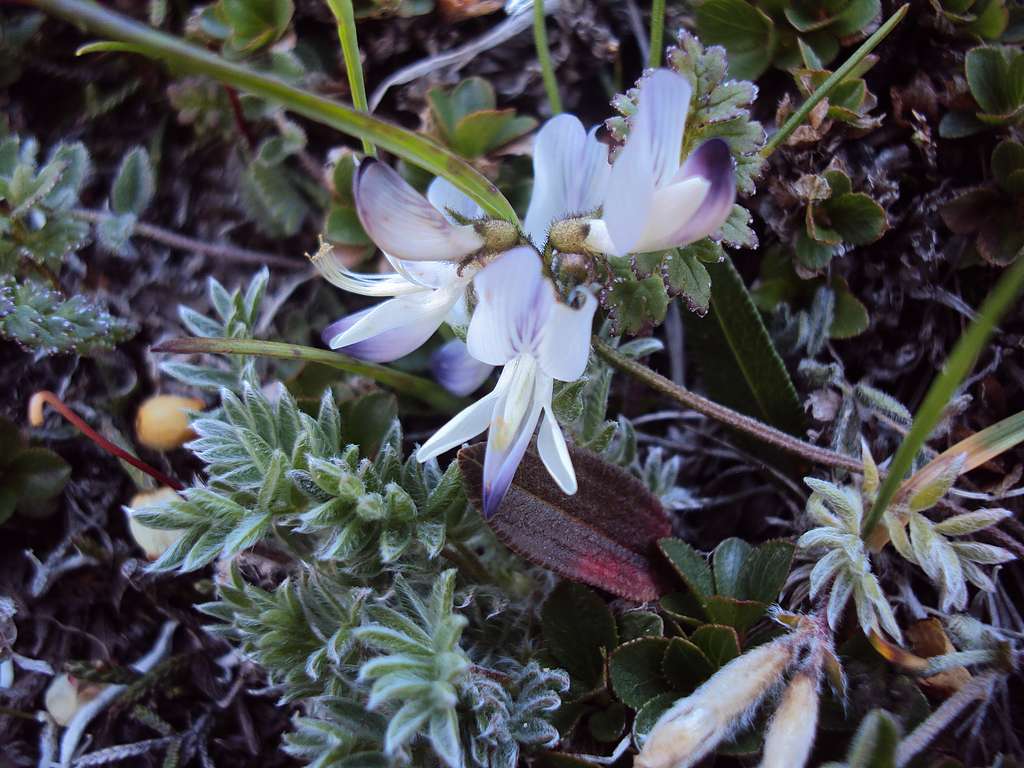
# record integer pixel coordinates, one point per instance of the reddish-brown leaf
(605, 535)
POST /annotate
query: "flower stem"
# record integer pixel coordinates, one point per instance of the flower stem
(133, 37)
(414, 386)
(547, 71)
(342, 10)
(739, 421)
(959, 363)
(35, 418)
(657, 33)
(190, 244)
(823, 90)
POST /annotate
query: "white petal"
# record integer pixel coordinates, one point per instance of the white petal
(712, 162)
(554, 453)
(570, 174)
(515, 417)
(672, 205)
(456, 370)
(420, 312)
(426, 274)
(663, 102)
(382, 347)
(336, 273)
(403, 223)
(464, 426)
(650, 158)
(514, 301)
(564, 344)
(446, 197)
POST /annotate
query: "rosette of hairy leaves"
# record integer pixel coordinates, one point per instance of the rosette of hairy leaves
(844, 570)
(300, 632)
(416, 678)
(509, 714)
(948, 564)
(337, 733)
(368, 514)
(236, 314)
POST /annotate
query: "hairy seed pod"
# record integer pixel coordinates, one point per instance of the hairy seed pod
(791, 733)
(162, 422)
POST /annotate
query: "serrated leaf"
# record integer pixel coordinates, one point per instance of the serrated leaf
(720, 644)
(134, 184)
(579, 631)
(765, 571)
(685, 665)
(635, 670)
(691, 566)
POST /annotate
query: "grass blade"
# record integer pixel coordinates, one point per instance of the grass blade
(346, 18)
(416, 149)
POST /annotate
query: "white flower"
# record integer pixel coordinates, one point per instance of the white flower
(423, 241)
(570, 175)
(653, 203)
(520, 323)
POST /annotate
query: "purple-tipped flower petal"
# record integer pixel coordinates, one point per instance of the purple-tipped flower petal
(711, 161)
(403, 223)
(458, 371)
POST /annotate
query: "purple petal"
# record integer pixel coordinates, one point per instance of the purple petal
(384, 347)
(713, 162)
(458, 371)
(402, 222)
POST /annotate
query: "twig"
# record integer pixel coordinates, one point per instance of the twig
(184, 243)
(727, 416)
(547, 71)
(35, 418)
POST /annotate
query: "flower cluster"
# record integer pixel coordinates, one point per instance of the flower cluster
(487, 280)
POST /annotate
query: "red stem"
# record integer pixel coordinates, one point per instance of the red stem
(35, 417)
(240, 123)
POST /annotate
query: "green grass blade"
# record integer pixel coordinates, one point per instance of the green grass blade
(547, 70)
(657, 33)
(959, 363)
(422, 389)
(182, 55)
(346, 18)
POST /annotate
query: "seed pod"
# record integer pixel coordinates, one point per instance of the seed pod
(791, 733)
(153, 541)
(162, 421)
(66, 695)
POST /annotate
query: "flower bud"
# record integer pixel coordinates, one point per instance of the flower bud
(153, 541)
(570, 236)
(498, 236)
(694, 726)
(162, 422)
(791, 733)
(66, 695)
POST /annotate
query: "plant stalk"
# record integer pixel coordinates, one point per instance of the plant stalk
(823, 90)
(547, 70)
(415, 386)
(138, 38)
(345, 15)
(739, 421)
(657, 33)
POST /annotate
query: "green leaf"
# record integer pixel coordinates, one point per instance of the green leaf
(765, 571)
(719, 644)
(691, 566)
(745, 32)
(810, 254)
(134, 184)
(733, 612)
(688, 277)
(995, 75)
(635, 670)
(857, 16)
(649, 714)
(255, 23)
(858, 218)
(638, 303)
(741, 368)
(479, 133)
(850, 316)
(367, 419)
(1008, 167)
(608, 724)
(686, 666)
(579, 631)
(874, 744)
(637, 624)
(728, 560)
(36, 475)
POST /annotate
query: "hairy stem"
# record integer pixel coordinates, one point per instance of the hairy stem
(343, 12)
(35, 418)
(181, 242)
(422, 389)
(540, 41)
(739, 421)
(657, 33)
(823, 90)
